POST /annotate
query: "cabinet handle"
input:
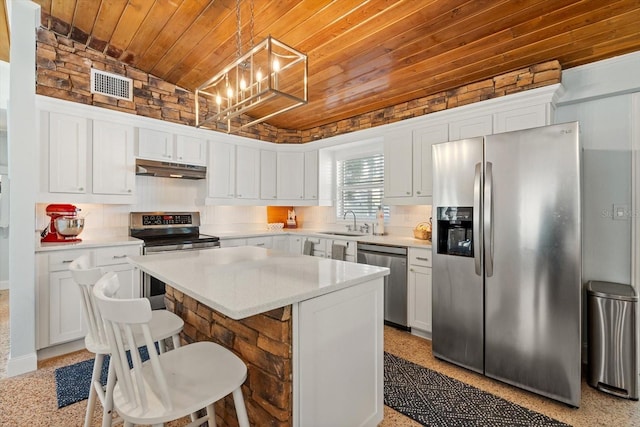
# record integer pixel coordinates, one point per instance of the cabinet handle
(67, 261)
(275, 197)
(260, 244)
(119, 256)
(420, 258)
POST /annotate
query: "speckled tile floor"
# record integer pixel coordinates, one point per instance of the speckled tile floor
(30, 399)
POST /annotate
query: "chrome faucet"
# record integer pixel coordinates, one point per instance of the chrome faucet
(354, 219)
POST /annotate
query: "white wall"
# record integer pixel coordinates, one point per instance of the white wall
(599, 96)
(4, 161)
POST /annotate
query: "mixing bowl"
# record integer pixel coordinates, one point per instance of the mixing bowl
(69, 225)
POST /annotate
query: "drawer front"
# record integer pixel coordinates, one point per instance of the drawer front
(421, 257)
(59, 261)
(115, 255)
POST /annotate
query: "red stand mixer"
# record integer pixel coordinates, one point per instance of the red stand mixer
(65, 224)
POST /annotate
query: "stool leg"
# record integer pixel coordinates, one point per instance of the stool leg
(176, 340)
(241, 410)
(211, 415)
(91, 404)
(107, 405)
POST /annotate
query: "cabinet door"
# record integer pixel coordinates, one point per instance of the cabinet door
(281, 243)
(295, 244)
(68, 142)
(398, 164)
(311, 175)
(247, 172)
(221, 171)
(420, 298)
(521, 118)
(66, 319)
(290, 173)
(423, 139)
(154, 144)
(129, 278)
(191, 150)
(268, 174)
(470, 128)
(113, 159)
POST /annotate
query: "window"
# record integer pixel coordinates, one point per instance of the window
(360, 186)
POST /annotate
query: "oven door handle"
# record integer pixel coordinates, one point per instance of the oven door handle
(157, 250)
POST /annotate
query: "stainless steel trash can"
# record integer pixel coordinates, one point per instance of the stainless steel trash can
(611, 329)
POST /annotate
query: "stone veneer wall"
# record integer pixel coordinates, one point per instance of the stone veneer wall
(263, 342)
(64, 71)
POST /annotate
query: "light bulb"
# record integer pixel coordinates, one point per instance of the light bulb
(218, 99)
(276, 65)
(229, 92)
(243, 84)
(259, 75)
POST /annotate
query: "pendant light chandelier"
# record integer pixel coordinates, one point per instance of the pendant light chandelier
(269, 79)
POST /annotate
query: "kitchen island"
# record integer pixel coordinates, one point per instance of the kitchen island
(309, 329)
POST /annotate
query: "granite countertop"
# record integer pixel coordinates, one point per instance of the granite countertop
(243, 281)
(87, 243)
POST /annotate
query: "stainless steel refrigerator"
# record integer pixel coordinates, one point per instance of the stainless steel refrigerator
(507, 258)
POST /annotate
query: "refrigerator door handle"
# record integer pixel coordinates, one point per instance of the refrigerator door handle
(488, 217)
(477, 233)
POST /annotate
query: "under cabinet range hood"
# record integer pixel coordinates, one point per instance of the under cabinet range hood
(169, 169)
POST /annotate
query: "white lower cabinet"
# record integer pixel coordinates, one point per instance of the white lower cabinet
(281, 243)
(349, 249)
(419, 291)
(295, 244)
(262, 241)
(232, 243)
(60, 313)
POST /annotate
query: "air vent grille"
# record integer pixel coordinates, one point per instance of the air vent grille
(111, 85)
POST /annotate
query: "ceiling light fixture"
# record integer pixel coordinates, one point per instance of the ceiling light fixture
(269, 79)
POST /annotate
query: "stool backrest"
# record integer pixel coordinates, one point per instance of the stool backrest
(121, 317)
(86, 277)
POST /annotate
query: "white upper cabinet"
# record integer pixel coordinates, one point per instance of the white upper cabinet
(191, 150)
(113, 160)
(311, 175)
(68, 141)
(398, 165)
(268, 175)
(247, 172)
(221, 170)
(290, 175)
(522, 118)
(166, 146)
(423, 139)
(471, 127)
(154, 144)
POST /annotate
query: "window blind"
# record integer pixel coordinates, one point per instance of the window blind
(360, 186)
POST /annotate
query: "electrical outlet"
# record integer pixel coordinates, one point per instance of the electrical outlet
(620, 212)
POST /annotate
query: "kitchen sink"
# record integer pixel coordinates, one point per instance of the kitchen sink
(342, 233)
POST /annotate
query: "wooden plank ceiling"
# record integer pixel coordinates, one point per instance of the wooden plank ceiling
(363, 55)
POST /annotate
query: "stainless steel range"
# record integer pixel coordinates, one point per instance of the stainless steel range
(167, 232)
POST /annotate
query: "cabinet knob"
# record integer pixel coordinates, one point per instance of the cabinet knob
(180, 157)
(81, 189)
(274, 197)
(239, 195)
(411, 270)
(129, 191)
(417, 192)
(408, 192)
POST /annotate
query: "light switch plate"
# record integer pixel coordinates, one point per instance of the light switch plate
(620, 212)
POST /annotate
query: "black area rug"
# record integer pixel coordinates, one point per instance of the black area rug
(433, 399)
(73, 382)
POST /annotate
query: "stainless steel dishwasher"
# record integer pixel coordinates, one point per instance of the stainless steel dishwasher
(395, 284)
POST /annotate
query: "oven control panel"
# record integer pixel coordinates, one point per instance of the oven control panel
(163, 220)
(166, 219)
